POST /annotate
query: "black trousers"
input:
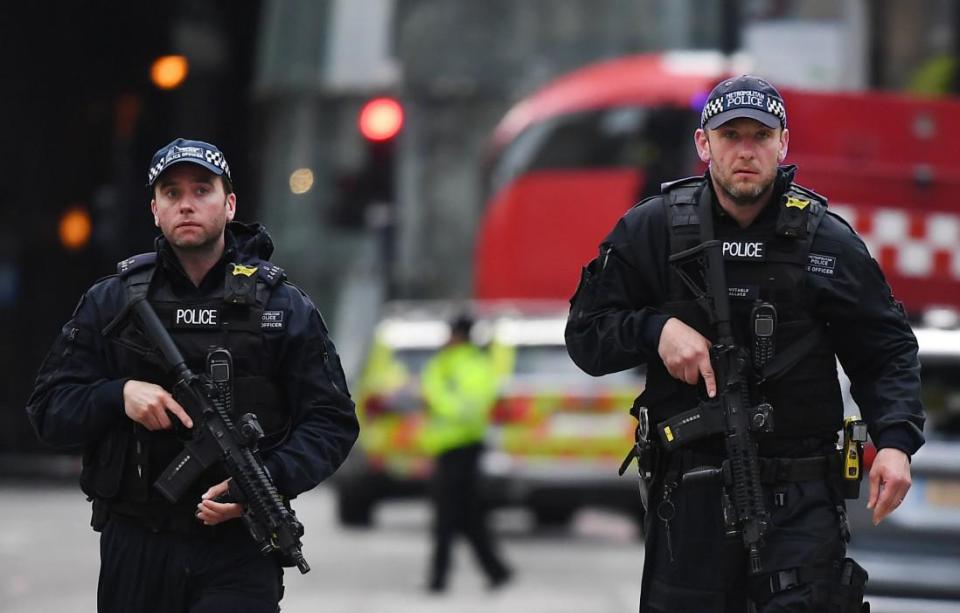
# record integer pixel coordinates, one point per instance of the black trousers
(692, 566)
(166, 572)
(458, 508)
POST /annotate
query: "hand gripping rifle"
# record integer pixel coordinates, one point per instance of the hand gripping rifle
(744, 511)
(208, 399)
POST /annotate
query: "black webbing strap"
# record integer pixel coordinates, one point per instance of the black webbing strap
(794, 470)
(788, 578)
(786, 359)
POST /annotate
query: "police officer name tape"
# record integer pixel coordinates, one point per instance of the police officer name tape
(207, 317)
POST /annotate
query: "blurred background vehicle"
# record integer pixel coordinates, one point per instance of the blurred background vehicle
(557, 435)
(582, 149)
(916, 551)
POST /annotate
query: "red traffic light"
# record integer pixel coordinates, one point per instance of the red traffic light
(381, 119)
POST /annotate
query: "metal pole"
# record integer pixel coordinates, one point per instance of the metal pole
(730, 27)
(877, 19)
(954, 85)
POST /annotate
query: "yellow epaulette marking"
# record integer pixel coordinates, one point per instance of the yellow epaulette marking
(797, 203)
(240, 269)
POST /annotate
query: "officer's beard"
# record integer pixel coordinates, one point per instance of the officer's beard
(745, 195)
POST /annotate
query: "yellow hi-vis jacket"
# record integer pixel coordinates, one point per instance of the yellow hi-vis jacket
(460, 386)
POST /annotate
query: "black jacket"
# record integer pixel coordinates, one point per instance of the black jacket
(615, 318)
(78, 396)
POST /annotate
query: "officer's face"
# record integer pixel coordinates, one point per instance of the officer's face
(191, 208)
(743, 155)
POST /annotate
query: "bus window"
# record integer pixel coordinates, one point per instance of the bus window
(658, 141)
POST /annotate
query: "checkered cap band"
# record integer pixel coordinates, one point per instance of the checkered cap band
(711, 108)
(744, 99)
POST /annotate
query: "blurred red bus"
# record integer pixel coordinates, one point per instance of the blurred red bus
(569, 160)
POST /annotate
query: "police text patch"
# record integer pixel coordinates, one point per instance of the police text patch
(196, 317)
(743, 250)
(823, 265)
(272, 320)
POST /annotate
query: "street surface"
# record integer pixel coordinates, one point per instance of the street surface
(49, 562)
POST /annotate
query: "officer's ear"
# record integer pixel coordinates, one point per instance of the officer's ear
(231, 204)
(153, 209)
(784, 142)
(703, 145)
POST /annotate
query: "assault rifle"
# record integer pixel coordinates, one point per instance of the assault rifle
(216, 438)
(744, 511)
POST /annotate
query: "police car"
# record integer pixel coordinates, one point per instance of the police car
(915, 552)
(557, 435)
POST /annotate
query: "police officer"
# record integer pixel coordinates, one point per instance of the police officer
(102, 390)
(821, 295)
(460, 386)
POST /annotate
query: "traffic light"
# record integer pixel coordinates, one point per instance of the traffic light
(380, 119)
(367, 193)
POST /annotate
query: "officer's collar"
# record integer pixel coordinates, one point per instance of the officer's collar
(229, 246)
(214, 276)
(783, 180)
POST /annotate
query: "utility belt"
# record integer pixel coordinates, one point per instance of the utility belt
(681, 432)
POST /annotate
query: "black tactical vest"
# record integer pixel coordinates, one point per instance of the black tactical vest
(232, 317)
(761, 264)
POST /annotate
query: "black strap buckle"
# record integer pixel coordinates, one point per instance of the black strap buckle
(783, 580)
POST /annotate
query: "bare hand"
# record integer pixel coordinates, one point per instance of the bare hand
(148, 405)
(686, 354)
(212, 513)
(889, 482)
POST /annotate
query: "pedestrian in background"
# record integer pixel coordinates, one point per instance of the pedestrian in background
(211, 283)
(460, 387)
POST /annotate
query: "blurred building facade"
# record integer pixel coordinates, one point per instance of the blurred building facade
(81, 121)
(457, 66)
(278, 85)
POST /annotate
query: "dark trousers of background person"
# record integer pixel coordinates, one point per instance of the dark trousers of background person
(458, 507)
(691, 566)
(167, 572)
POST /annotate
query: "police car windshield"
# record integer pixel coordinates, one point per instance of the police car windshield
(532, 361)
(941, 397)
(552, 361)
(414, 359)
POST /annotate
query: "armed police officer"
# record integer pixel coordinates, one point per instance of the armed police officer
(745, 492)
(102, 389)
